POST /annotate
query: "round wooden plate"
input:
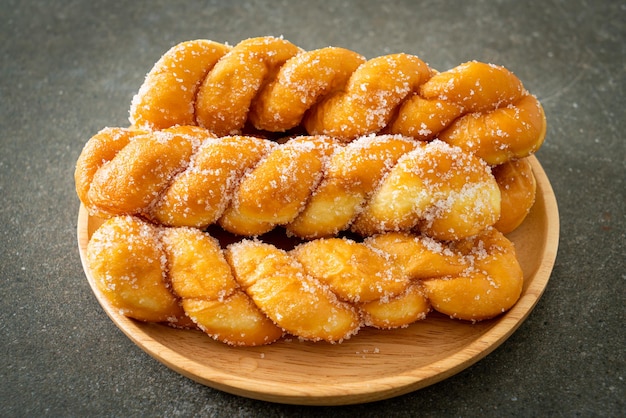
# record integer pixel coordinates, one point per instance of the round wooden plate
(373, 365)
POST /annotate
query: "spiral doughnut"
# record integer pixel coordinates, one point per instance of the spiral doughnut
(273, 86)
(314, 186)
(252, 292)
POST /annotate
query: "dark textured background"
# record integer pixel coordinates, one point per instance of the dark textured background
(69, 68)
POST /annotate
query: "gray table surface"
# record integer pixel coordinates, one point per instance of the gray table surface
(70, 68)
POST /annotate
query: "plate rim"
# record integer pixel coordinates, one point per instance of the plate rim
(327, 393)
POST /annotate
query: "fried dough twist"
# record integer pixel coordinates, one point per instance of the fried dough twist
(314, 186)
(252, 292)
(272, 85)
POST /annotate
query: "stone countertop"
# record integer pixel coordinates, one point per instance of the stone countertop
(69, 69)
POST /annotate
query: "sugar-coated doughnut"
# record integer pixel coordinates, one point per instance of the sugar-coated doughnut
(270, 85)
(252, 292)
(315, 186)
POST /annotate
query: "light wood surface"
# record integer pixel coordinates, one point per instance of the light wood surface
(373, 365)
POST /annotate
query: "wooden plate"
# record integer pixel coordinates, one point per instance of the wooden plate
(371, 366)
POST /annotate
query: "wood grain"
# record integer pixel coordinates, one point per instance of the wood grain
(371, 366)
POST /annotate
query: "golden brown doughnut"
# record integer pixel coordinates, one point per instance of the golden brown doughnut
(137, 173)
(314, 186)
(473, 279)
(511, 132)
(273, 86)
(352, 271)
(407, 307)
(352, 174)
(322, 290)
(276, 190)
(200, 194)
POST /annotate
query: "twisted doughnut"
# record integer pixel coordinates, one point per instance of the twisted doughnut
(314, 186)
(272, 85)
(327, 289)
